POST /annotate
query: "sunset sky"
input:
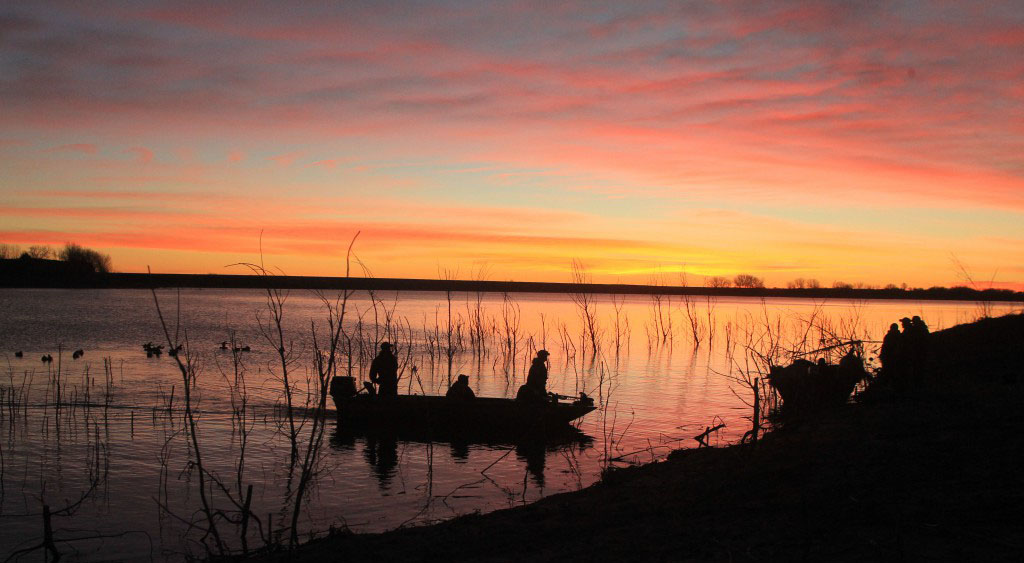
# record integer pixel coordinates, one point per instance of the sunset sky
(868, 142)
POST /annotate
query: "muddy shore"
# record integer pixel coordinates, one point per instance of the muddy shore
(929, 472)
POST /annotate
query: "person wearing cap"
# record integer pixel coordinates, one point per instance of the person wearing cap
(537, 378)
(384, 371)
(905, 323)
(460, 391)
(918, 324)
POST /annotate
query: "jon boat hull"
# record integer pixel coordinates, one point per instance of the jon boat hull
(479, 416)
(806, 387)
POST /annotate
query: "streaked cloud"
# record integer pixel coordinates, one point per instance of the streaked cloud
(521, 131)
(84, 148)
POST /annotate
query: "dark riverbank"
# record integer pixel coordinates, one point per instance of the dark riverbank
(929, 472)
(52, 274)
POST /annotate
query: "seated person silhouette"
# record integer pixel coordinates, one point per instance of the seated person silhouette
(460, 390)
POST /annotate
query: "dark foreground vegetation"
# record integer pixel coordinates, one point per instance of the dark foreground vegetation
(926, 471)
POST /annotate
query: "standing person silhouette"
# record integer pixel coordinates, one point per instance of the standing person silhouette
(919, 345)
(892, 350)
(384, 371)
(537, 378)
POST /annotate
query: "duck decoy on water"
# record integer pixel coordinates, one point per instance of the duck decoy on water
(47, 359)
(18, 354)
(78, 354)
(241, 349)
(173, 352)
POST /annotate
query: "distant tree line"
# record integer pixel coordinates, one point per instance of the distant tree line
(74, 255)
(754, 282)
(741, 280)
(801, 283)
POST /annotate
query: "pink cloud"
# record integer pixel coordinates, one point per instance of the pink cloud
(83, 148)
(110, 194)
(145, 156)
(93, 213)
(331, 163)
(286, 159)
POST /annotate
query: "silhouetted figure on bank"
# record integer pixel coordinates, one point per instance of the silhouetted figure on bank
(918, 345)
(905, 373)
(851, 363)
(919, 327)
(905, 325)
(460, 390)
(892, 348)
(536, 388)
(913, 349)
(384, 371)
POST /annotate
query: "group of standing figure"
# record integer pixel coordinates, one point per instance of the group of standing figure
(904, 353)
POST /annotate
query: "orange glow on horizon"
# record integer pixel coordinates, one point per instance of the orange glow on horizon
(868, 144)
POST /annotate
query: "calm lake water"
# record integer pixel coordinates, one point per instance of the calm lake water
(117, 452)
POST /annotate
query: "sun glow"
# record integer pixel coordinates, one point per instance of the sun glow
(866, 144)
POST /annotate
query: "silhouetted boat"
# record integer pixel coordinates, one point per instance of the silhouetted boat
(481, 416)
(806, 386)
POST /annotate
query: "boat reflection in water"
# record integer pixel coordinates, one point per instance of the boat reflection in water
(380, 445)
(532, 428)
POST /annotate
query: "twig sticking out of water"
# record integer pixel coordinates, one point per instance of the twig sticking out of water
(188, 377)
(702, 438)
(325, 359)
(272, 330)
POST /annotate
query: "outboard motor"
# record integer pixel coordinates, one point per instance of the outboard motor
(584, 400)
(342, 387)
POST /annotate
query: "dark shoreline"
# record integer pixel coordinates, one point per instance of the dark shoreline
(927, 472)
(14, 279)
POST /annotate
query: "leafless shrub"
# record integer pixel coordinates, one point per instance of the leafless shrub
(717, 281)
(586, 306)
(86, 257)
(748, 281)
